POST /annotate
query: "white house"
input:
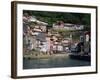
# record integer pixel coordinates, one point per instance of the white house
(68, 26)
(39, 23)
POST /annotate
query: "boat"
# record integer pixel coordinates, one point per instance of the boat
(80, 57)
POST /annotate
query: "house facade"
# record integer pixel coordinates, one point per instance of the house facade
(68, 26)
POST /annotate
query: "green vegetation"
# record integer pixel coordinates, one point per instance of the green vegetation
(66, 33)
(51, 17)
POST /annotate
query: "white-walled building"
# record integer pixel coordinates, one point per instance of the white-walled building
(68, 26)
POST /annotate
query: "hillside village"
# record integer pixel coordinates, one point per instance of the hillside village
(38, 38)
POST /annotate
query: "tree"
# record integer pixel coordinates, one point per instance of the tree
(52, 17)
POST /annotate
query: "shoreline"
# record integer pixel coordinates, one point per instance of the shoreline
(43, 56)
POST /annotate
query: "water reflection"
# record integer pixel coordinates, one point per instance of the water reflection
(53, 63)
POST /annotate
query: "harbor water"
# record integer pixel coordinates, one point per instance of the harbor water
(53, 63)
